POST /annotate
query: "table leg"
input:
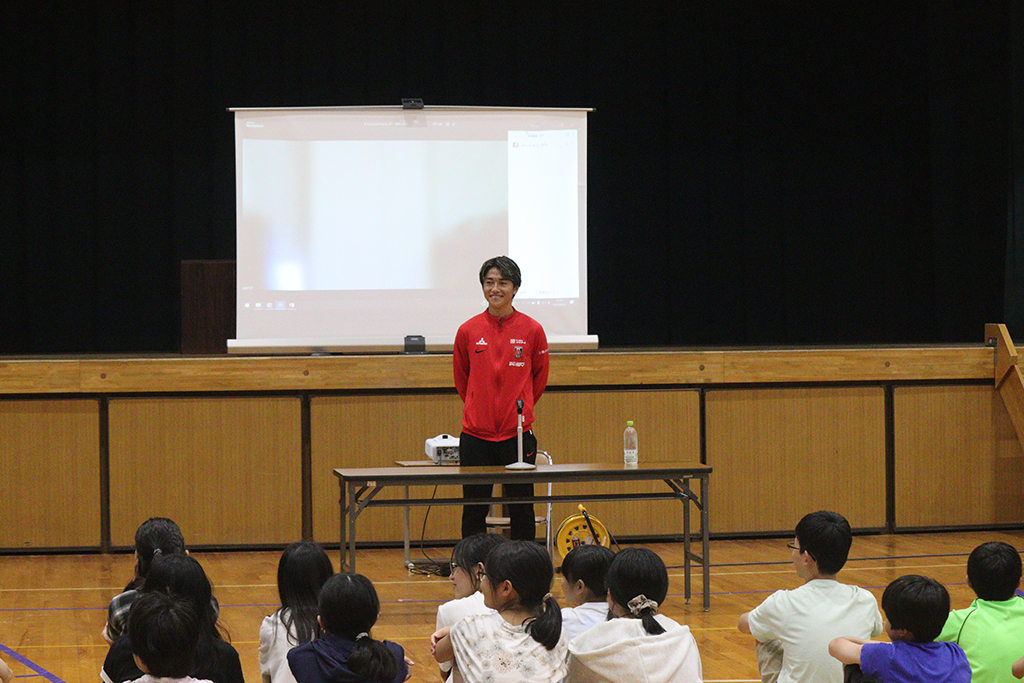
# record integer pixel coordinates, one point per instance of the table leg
(353, 512)
(705, 539)
(686, 541)
(343, 503)
(405, 528)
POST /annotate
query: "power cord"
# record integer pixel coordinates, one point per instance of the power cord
(431, 566)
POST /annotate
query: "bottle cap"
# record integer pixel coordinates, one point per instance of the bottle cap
(629, 423)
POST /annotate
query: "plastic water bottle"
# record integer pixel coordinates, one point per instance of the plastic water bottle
(629, 446)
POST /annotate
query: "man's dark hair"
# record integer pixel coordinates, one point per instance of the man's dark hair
(827, 537)
(164, 632)
(506, 266)
(993, 570)
(918, 604)
(589, 564)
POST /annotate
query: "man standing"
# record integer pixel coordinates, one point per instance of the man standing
(500, 358)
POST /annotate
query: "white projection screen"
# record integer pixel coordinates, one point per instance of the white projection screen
(360, 226)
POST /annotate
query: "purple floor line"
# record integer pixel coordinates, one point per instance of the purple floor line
(30, 664)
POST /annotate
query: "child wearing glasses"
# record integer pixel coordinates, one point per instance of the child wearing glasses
(467, 567)
(522, 640)
(794, 627)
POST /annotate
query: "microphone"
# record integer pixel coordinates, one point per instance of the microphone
(520, 464)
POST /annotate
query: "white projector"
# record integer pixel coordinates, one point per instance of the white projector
(443, 449)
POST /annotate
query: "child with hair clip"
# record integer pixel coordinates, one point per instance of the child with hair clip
(301, 573)
(467, 568)
(164, 632)
(345, 652)
(636, 643)
(156, 536)
(522, 640)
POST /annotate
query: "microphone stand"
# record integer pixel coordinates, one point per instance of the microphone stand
(520, 465)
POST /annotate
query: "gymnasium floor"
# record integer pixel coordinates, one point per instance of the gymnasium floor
(52, 608)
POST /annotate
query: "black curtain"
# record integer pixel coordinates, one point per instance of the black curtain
(759, 172)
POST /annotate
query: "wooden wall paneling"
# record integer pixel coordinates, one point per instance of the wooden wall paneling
(376, 431)
(586, 426)
(227, 470)
(781, 453)
(958, 461)
(50, 473)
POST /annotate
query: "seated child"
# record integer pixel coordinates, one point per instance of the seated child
(990, 630)
(637, 644)
(155, 536)
(794, 627)
(915, 609)
(522, 639)
(467, 567)
(583, 572)
(164, 632)
(301, 573)
(182, 577)
(349, 608)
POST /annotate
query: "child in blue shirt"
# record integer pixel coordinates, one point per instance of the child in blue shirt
(915, 610)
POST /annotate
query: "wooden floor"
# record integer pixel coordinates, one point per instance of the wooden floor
(52, 608)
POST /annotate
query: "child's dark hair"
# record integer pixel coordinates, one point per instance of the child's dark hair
(993, 570)
(827, 537)
(589, 564)
(301, 573)
(473, 550)
(153, 535)
(349, 607)
(163, 631)
(183, 577)
(917, 604)
(527, 566)
(638, 574)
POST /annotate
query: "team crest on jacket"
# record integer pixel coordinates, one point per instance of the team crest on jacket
(519, 351)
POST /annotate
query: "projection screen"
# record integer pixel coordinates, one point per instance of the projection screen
(358, 227)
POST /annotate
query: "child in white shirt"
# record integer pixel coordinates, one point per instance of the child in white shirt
(583, 585)
(467, 567)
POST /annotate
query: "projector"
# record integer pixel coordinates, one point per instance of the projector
(443, 449)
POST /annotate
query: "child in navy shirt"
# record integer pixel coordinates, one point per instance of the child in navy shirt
(916, 608)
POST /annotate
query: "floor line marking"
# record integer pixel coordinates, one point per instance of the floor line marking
(30, 664)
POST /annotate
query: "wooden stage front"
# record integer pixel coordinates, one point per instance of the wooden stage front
(240, 450)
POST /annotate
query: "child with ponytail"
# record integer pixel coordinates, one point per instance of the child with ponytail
(345, 652)
(637, 643)
(522, 640)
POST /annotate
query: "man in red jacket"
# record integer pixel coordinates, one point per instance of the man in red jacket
(501, 357)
